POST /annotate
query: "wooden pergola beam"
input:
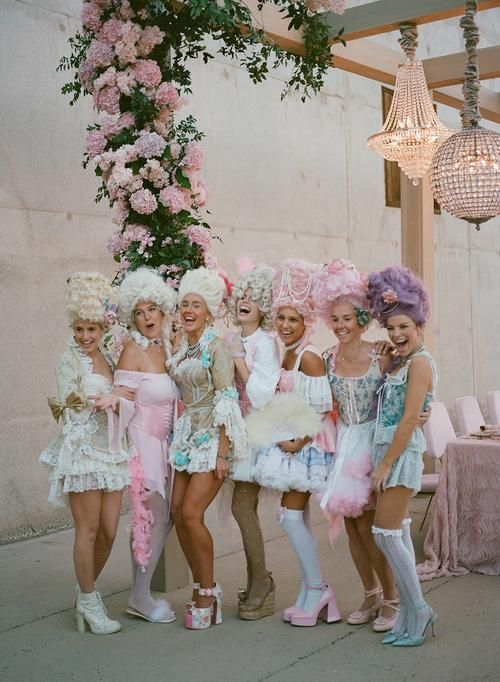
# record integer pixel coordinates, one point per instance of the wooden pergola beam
(384, 16)
(489, 101)
(449, 70)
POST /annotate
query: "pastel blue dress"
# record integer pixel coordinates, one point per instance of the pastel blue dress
(407, 469)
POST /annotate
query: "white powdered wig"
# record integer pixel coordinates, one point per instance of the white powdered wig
(285, 417)
(89, 296)
(207, 284)
(143, 286)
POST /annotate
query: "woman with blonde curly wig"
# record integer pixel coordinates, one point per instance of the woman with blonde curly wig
(85, 471)
(208, 437)
(146, 303)
(256, 357)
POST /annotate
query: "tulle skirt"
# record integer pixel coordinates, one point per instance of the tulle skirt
(305, 471)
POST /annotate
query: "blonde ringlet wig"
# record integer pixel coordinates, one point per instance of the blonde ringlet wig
(205, 283)
(88, 296)
(259, 280)
(144, 285)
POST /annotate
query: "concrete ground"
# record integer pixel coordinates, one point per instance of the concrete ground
(39, 642)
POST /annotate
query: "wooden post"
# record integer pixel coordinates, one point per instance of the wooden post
(417, 249)
(171, 570)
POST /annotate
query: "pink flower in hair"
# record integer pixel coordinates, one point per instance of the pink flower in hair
(389, 296)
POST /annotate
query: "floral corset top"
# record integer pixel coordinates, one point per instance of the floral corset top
(392, 393)
(355, 396)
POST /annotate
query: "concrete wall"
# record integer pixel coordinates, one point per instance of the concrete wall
(285, 178)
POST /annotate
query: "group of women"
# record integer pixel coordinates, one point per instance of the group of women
(343, 427)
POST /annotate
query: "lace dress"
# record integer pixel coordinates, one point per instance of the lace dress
(210, 400)
(349, 487)
(407, 469)
(81, 458)
(263, 362)
(306, 470)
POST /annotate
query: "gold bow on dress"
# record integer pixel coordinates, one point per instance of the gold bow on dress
(74, 401)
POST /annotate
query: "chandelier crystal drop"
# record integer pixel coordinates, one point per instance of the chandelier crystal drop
(465, 172)
(412, 131)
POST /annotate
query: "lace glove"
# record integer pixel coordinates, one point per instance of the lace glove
(234, 344)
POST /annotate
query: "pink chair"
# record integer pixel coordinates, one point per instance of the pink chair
(469, 415)
(494, 407)
(438, 432)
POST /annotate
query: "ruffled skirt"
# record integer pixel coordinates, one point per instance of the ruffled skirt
(349, 487)
(305, 471)
(408, 468)
(193, 451)
(79, 463)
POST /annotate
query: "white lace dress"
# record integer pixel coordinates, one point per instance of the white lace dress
(80, 458)
(210, 401)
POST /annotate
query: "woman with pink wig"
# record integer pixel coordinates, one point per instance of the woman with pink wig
(354, 369)
(401, 304)
(299, 463)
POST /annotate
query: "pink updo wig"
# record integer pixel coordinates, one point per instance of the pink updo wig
(293, 287)
(398, 291)
(339, 282)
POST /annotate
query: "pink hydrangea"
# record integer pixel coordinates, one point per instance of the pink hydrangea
(133, 233)
(210, 261)
(108, 99)
(120, 211)
(144, 202)
(125, 81)
(337, 6)
(91, 16)
(114, 244)
(175, 199)
(155, 173)
(193, 156)
(86, 73)
(149, 145)
(199, 235)
(200, 192)
(106, 79)
(111, 31)
(124, 264)
(147, 73)
(112, 126)
(151, 36)
(126, 54)
(168, 96)
(99, 54)
(125, 10)
(95, 142)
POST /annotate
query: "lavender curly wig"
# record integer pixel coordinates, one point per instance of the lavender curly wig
(398, 291)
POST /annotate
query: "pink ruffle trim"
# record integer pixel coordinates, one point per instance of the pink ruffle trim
(142, 518)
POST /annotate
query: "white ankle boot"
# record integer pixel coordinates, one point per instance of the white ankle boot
(90, 610)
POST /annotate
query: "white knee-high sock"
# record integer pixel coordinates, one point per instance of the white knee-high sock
(390, 542)
(305, 547)
(140, 596)
(406, 534)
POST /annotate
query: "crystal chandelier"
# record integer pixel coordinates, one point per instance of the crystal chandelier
(465, 172)
(412, 131)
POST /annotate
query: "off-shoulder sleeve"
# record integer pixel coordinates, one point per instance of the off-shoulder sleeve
(227, 411)
(265, 374)
(316, 391)
(117, 423)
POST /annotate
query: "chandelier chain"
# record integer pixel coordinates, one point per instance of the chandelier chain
(470, 111)
(409, 40)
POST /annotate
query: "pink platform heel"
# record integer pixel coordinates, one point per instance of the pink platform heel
(326, 608)
(201, 618)
(362, 616)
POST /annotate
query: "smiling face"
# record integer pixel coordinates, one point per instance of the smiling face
(87, 335)
(148, 319)
(344, 323)
(290, 325)
(247, 310)
(404, 334)
(194, 314)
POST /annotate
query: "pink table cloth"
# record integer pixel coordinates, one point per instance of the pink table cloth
(464, 533)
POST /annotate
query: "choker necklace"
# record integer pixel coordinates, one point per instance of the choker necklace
(143, 342)
(403, 361)
(295, 345)
(192, 351)
(156, 343)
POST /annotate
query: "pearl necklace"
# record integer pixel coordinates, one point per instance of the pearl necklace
(192, 351)
(403, 361)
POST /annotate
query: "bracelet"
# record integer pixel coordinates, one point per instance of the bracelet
(226, 458)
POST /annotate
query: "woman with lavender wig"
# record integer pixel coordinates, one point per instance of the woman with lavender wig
(401, 304)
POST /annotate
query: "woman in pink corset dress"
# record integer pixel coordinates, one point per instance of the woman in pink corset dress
(145, 304)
